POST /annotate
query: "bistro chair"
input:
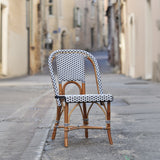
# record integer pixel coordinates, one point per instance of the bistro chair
(70, 64)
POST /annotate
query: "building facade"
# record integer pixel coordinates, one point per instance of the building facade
(13, 39)
(76, 24)
(37, 26)
(155, 47)
(28, 34)
(140, 49)
(60, 32)
(22, 35)
(114, 30)
(35, 36)
(92, 33)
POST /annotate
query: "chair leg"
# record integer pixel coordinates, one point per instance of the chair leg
(108, 123)
(85, 120)
(57, 122)
(66, 125)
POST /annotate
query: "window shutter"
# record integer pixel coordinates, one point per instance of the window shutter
(75, 17)
(78, 17)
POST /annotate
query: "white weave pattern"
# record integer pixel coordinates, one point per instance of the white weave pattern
(70, 66)
(88, 98)
(73, 70)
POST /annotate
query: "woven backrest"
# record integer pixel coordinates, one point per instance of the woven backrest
(70, 67)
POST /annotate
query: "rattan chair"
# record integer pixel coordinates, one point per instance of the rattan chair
(71, 69)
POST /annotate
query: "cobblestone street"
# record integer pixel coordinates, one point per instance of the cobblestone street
(28, 110)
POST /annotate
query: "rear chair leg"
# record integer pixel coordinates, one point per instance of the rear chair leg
(57, 122)
(108, 123)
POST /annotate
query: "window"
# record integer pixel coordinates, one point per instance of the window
(50, 7)
(77, 17)
(92, 37)
(50, 10)
(60, 8)
(92, 10)
(39, 12)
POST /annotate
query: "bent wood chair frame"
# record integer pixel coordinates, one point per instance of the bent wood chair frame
(80, 100)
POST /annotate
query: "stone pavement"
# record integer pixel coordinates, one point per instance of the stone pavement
(27, 110)
(26, 113)
(135, 123)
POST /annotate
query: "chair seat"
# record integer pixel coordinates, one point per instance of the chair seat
(86, 98)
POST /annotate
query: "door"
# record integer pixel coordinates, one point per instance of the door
(148, 41)
(92, 37)
(63, 40)
(4, 37)
(131, 38)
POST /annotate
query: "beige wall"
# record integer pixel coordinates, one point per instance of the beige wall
(141, 50)
(93, 16)
(14, 61)
(60, 21)
(134, 39)
(156, 39)
(77, 37)
(35, 38)
(66, 23)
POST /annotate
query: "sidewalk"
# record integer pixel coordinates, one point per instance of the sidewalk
(135, 125)
(26, 114)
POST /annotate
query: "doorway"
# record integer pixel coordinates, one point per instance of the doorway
(63, 40)
(131, 44)
(92, 37)
(4, 37)
(148, 42)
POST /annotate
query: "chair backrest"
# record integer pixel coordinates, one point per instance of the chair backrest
(71, 67)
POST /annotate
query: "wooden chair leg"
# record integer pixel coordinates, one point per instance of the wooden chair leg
(57, 122)
(66, 125)
(85, 119)
(108, 123)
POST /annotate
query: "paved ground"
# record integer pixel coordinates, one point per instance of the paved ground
(27, 109)
(26, 113)
(135, 124)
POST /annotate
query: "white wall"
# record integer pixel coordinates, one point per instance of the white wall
(17, 39)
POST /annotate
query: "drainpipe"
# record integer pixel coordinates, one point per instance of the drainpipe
(119, 39)
(28, 32)
(41, 32)
(109, 24)
(98, 24)
(111, 32)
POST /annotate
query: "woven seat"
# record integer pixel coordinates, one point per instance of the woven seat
(88, 98)
(70, 65)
